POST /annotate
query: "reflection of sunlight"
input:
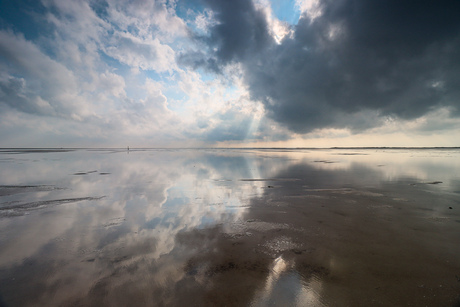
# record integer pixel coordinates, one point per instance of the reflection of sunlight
(285, 286)
(254, 171)
(278, 267)
(308, 296)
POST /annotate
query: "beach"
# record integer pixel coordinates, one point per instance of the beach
(230, 227)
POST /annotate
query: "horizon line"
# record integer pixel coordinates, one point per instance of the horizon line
(333, 147)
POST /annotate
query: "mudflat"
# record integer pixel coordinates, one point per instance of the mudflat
(230, 227)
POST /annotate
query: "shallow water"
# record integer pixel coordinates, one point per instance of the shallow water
(215, 227)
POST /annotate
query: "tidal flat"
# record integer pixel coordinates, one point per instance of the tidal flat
(230, 227)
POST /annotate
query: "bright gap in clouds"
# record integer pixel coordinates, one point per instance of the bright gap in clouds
(286, 10)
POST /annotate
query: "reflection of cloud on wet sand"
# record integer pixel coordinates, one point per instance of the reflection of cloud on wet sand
(134, 226)
(221, 229)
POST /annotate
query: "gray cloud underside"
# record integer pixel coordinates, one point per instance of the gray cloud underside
(357, 63)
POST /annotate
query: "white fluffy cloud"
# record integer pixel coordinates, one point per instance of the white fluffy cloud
(103, 72)
(45, 87)
(141, 53)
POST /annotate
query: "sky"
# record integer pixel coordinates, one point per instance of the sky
(220, 73)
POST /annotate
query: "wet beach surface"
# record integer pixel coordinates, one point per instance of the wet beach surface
(230, 227)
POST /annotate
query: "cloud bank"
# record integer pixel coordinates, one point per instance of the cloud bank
(216, 72)
(347, 64)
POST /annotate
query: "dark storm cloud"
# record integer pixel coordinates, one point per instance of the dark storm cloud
(241, 32)
(350, 67)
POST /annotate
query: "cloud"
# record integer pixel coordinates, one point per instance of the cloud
(241, 30)
(349, 64)
(149, 114)
(63, 89)
(140, 53)
(203, 21)
(146, 18)
(14, 94)
(45, 86)
(226, 71)
(311, 8)
(112, 83)
(277, 29)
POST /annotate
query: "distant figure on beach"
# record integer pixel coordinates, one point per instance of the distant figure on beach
(128, 148)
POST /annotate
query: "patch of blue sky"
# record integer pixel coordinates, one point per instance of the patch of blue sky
(100, 8)
(133, 29)
(155, 76)
(116, 65)
(286, 10)
(174, 93)
(178, 102)
(205, 76)
(188, 11)
(231, 92)
(24, 16)
(185, 7)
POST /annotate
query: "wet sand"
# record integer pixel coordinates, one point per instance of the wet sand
(233, 228)
(342, 247)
